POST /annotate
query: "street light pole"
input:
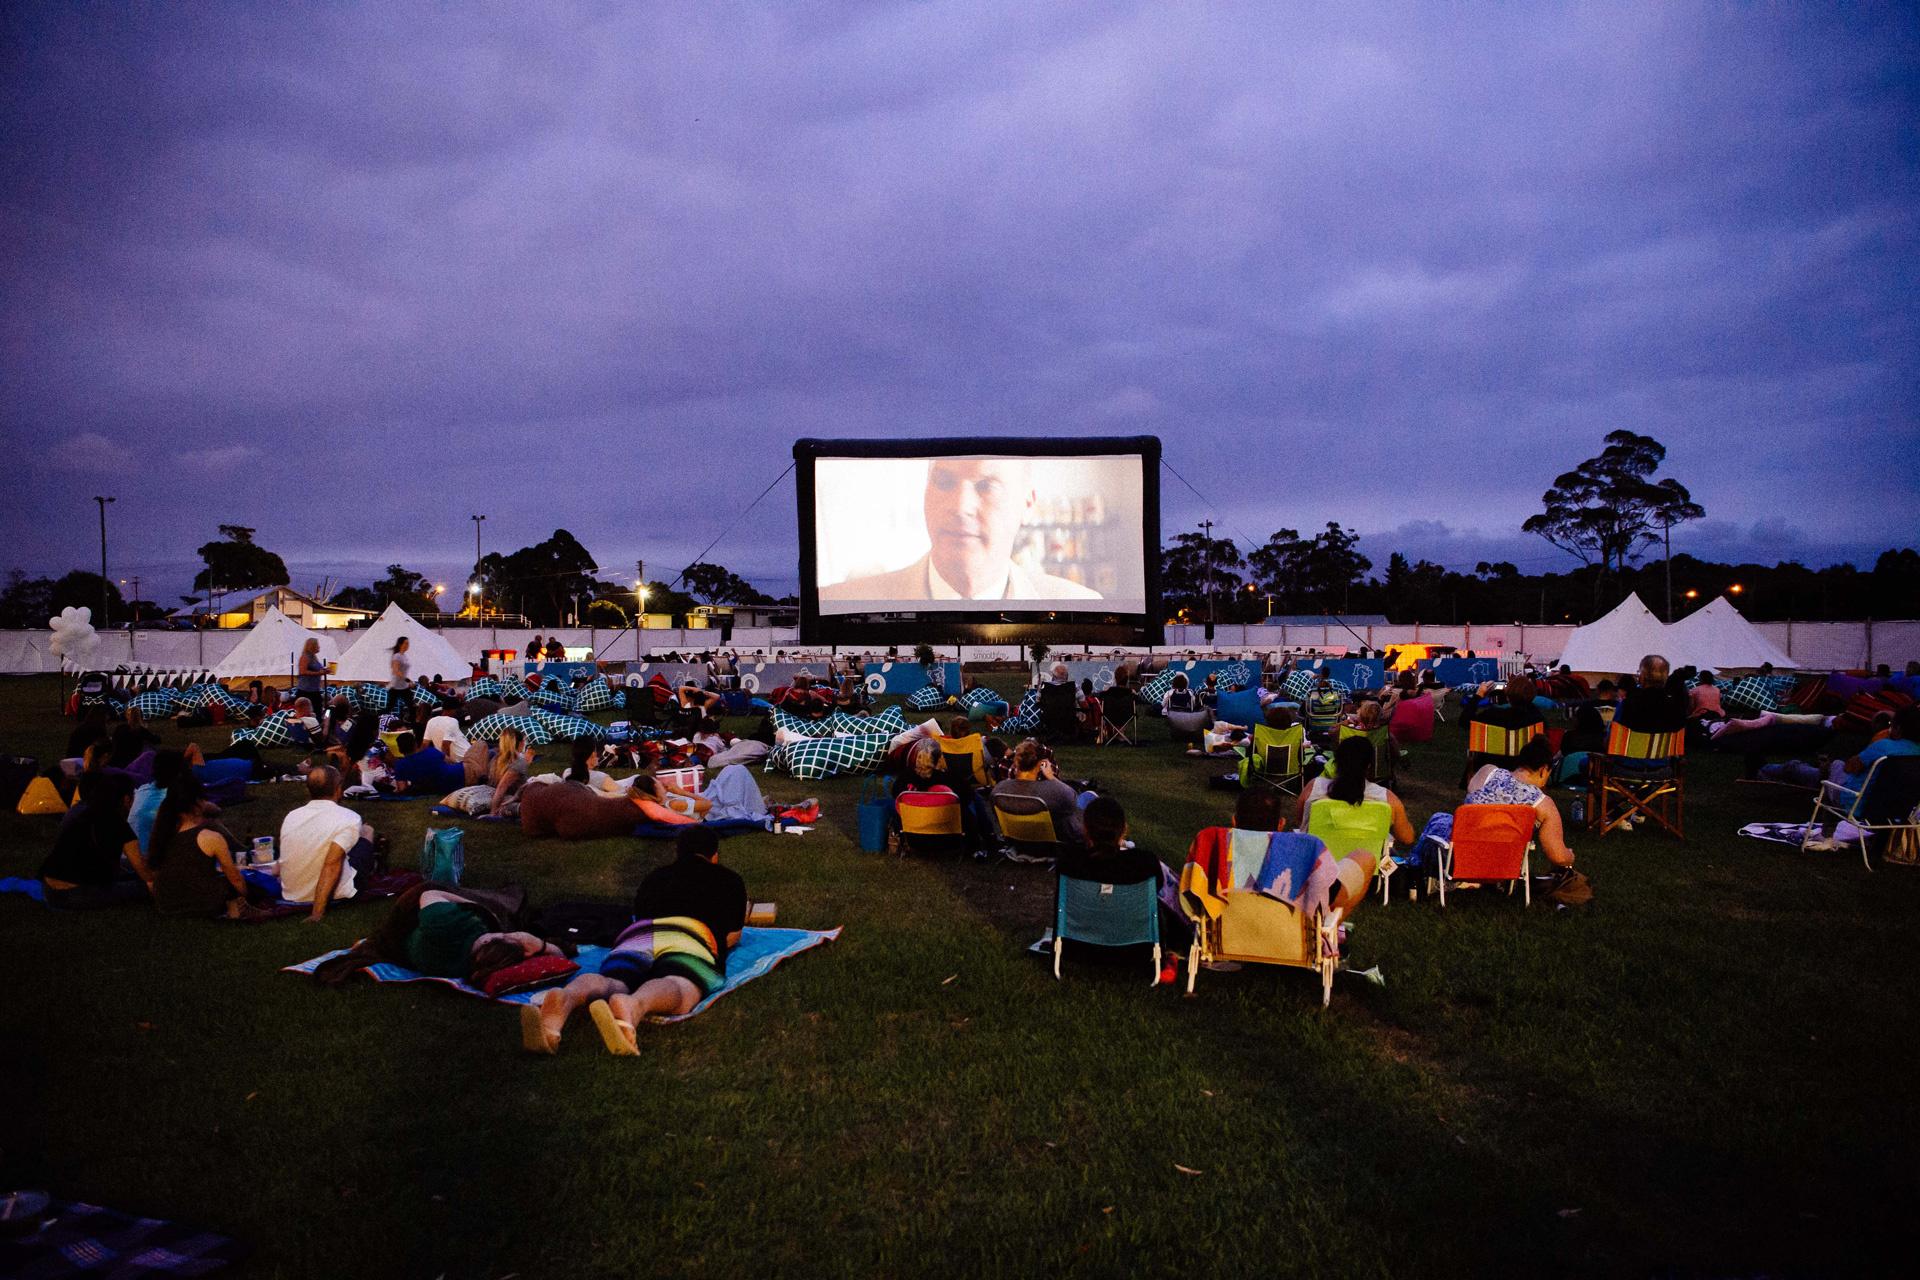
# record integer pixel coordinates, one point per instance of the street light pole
(104, 611)
(1206, 529)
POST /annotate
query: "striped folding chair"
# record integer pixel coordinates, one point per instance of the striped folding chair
(1498, 742)
(1641, 774)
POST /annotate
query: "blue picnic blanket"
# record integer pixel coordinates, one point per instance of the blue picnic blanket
(759, 951)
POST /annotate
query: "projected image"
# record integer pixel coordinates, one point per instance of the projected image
(963, 533)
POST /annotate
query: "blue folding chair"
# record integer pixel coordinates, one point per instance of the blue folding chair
(1107, 915)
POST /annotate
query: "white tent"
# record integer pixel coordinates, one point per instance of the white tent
(1617, 642)
(367, 659)
(272, 648)
(1718, 637)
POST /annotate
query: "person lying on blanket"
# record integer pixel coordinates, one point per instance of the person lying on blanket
(687, 916)
(444, 931)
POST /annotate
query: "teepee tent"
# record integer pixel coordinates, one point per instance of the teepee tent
(1719, 638)
(1617, 642)
(272, 648)
(367, 659)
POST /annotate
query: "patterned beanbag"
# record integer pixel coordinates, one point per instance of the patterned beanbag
(804, 727)
(425, 697)
(819, 758)
(515, 690)
(487, 729)
(487, 687)
(1298, 685)
(274, 731)
(891, 721)
(370, 697)
(1236, 676)
(1155, 690)
(974, 699)
(552, 698)
(1026, 718)
(1752, 693)
(568, 728)
(926, 698)
(597, 695)
(155, 704)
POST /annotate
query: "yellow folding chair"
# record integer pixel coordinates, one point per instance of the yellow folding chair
(1027, 824)
(930, 821)
(1638, 773)
(965, 759)
(1385, 754)
(1252, 928)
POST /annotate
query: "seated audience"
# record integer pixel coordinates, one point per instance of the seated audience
(1524, 782)
(83, 870)
(195, 859)
(444, 734)
(325, 850)
(131, 739)
(1035, 777)
(1352, 782)
(507, 772)
(419, 769)
(147, 799)
(1654, 704)
(1105, 858)
(687, 916)
(1511, 708)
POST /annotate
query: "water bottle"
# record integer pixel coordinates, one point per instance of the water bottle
(1579, 810)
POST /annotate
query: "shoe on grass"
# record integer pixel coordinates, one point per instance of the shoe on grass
(615, 1034)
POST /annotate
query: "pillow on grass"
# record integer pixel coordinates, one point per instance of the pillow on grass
(568, 728)
(597, 695)
(370, 697)
(806, 728)
(1753, 693)
(926, 698)
(487, 729)
(819, 758)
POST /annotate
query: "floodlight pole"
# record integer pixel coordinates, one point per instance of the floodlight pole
(103, 560)
(1206, 528)
(1667, 533)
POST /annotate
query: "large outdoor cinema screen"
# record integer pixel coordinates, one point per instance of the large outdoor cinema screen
(960, 535)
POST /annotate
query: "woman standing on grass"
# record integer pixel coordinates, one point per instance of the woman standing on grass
(310, 673)
(400, 681)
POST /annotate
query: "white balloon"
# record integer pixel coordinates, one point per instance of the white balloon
(73, 635)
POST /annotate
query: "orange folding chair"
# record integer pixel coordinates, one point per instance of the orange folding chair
(1490, 843)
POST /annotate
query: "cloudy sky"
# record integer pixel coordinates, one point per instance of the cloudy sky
(351, 275)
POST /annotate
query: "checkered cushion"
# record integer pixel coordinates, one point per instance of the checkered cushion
(1026, 717)
(487, 729)
(370, 697)
(274, 731)
(597, 695)
(1751, 692)
(1298, 685)
(486, 687)
(1156, 689)
(1783, 686)
(156, 704)
(800, 725)
(819, 758)
(926, 698)
(513, 689)
(974, 699)
(552, 698)
(891, 721)
(565, 727)
(1238, 675)
(425, 697)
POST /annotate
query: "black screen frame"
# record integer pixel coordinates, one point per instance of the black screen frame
(998, 626)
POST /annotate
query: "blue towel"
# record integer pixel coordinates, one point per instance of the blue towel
(1291, 856)
(29, 888)
(759, 951)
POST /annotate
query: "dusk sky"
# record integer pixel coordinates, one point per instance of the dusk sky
(351, 275)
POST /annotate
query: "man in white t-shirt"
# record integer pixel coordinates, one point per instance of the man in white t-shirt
(444, 732)
(325, 849)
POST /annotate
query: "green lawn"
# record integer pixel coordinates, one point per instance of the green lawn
(1711, 1070)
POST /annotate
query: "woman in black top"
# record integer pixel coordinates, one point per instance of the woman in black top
(197, 871)
(83, 870)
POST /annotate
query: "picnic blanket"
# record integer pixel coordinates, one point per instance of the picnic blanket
(759, 951)
(1793, 832)
(25, 887)
(77, 1239)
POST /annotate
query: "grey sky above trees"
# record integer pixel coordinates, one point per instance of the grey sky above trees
(596, 270)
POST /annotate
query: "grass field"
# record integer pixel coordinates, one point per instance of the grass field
(1710, 1071)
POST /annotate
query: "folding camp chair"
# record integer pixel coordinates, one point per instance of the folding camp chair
(1638, 773)
(1366, 827)
(1108, 915)
(1490, 842)
(1274, 758)
(1887, 803)
(1497, 742)
(1059, 713)
(1027, 824)
(965, 761)
(1247, 927)
(1385, 753)
(1118, 710)
(930, 822)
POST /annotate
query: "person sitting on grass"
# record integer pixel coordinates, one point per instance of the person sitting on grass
(687, 916)
(1352, 782)
(423, 770)
(83, 870)
(325, 850)
(195, 858)
(131, 739)
(506, 773)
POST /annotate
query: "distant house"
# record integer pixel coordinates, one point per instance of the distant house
(246, 608)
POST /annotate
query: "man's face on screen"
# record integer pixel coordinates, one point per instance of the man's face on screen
(974, 509)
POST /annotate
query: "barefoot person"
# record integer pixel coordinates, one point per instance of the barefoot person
(687, 915)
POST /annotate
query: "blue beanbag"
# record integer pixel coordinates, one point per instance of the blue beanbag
(1241, 707)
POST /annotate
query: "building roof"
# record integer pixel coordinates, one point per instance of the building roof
(244, 602)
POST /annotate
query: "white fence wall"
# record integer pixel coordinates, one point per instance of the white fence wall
(1822, 645)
